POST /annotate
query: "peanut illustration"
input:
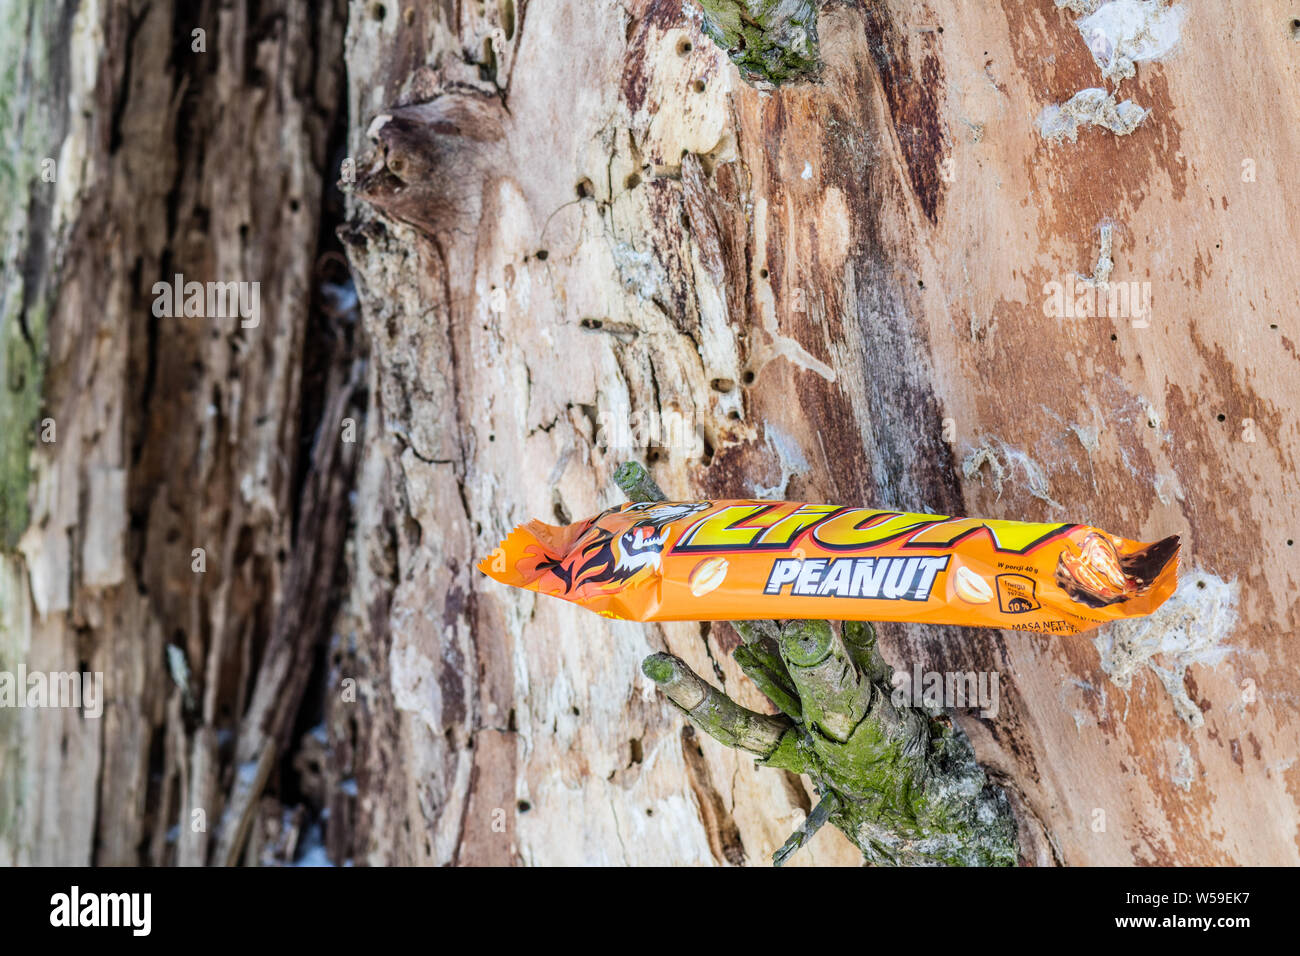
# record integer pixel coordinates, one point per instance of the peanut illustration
(972, 588)
(708, 574)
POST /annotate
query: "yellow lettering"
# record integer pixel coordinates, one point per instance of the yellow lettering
(860, 528)
(732, 527)
(1016, 537)
(789, 527)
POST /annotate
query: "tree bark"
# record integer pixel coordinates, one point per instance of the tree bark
(579, 236)
(182, 511)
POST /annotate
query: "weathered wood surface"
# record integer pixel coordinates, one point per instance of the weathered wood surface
(651, 229)
(571, 216)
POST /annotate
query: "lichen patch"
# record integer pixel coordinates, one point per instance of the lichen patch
(1190, 628)
(1091, 107)
(1123, 33)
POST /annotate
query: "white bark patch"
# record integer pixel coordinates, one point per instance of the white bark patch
(376, 124)
(1105, 261)
(1190, 628)
(415, 684)
(75, 154)
(1004, 462)
(1119, 34)
(48, 556)
(1122, 33)
(792, 460)
(1089, 437)
(1185, 770)
(1090, 107)
(1081, 7)
(640, 270)
(1168, 488)
(103, 546)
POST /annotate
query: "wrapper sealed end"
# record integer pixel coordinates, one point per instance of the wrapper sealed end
(735, 560)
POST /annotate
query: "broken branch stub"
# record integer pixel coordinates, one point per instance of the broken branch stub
(431, 160)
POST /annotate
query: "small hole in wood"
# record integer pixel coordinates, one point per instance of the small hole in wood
(378, 11)
(542, 255)
(748, 377)
(722, 384)
(585, 189)
(1223, 418)
(684, 47)
(1295, 30)
(698, 86)
(633, 180)
(762, 273)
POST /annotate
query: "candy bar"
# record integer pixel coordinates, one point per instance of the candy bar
(736, 560)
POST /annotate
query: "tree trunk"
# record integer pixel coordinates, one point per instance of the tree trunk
(579, 237)
(175, 509)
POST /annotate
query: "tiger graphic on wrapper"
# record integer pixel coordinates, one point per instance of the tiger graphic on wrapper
(602, 556)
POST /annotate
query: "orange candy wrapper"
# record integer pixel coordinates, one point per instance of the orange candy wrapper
(736, 560)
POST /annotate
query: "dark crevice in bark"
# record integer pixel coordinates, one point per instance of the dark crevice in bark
(725, 841)
(333, 329)
(124, 88)
(33, 270)
(144, 398)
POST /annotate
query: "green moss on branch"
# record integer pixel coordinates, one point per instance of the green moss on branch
(771, 41)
